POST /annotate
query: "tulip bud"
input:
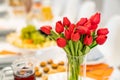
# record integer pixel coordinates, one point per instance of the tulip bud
(81, 22)
(75, 36)
(46, 29)
(66, 22)
(88, 40)
(67, 34)
(61, 42)
(95, 19)
(59, 27)
(101, 39)
(102, 31)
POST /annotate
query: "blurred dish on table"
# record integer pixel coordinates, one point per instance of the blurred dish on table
(5, 52)
(4, 31)
(7, 57)
(30, 38)
(46, 68)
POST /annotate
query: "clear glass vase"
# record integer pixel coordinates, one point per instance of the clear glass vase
(76, 67)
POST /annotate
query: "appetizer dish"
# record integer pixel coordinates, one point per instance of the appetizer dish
(49, 67)
(30, 38)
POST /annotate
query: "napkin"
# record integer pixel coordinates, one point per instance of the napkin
(94, 55)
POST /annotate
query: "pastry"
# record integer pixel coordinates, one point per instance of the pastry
(50, 61)
(38, 74)
(43, 64)
(61, 63)
(46, 69)
(54, 66)
(36, 68)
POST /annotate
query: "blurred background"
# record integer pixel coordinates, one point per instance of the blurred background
(17, 14)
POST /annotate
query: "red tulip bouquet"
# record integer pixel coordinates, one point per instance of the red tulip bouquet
(77, 39)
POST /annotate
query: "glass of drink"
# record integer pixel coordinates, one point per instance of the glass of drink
(22, 69)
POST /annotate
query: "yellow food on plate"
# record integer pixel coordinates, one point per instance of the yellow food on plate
(48, 67)
(15, 40)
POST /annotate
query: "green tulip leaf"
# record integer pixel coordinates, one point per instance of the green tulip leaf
(86, 50)
(80, 45)
(71, 46)
(76, 46)
(93, 44)
(79, 53)
(54, 35)
(67, 50)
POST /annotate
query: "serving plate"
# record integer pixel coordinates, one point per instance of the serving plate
(15, 40)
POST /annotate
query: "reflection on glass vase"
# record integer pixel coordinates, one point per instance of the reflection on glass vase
(76, 67)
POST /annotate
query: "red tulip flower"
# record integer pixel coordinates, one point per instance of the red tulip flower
(101, 39)
(94, 27)
(68, 34)
(59, 27)
(81, 22)
(95, 19)
(66, 22)
(88, 40)
(71, 27)
(46, 29)
(88, 24)
(102, 31)
(75, 36)
(61, 42)
(81, 29)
